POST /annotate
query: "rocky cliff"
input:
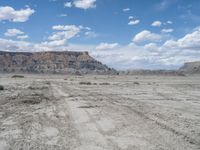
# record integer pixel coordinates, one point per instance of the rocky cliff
(191, 67)
(51, 62)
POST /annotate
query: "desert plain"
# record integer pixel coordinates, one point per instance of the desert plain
(99, 112)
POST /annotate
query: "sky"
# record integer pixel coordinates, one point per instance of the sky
(123, 34)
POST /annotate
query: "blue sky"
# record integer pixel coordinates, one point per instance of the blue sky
(123, 34)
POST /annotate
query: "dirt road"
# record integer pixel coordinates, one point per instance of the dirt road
(100, 113)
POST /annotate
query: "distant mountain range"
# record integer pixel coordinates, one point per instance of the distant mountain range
(187, 68)
(52, 62)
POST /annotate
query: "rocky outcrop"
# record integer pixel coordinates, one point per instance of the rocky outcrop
(191, 67)
(51, 62)
(152, 72)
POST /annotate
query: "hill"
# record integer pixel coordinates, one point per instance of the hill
(51, 62)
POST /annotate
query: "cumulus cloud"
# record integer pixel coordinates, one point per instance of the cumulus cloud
(130, 17)
(167, 30)
(68, 4)
(134, 22)
(190, 41)
(84, 4)
(13, 45)
(13, 32)
(10, 14)
(106, 46)
(62, 34)
(22, 37)
(151, 47)
(156, 24)
(146, 36)
(169, 22)
(16, 33)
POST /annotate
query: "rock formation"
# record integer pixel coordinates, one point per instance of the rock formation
(191, 67)
(51, 62)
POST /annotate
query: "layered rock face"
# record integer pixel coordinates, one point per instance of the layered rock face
(51, 62)
(152, 72)
(191, 67)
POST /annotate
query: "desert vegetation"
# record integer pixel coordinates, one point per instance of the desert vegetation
(1, 87)
(17, 76)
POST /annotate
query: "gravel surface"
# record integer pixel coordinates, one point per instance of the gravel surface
(100, 112)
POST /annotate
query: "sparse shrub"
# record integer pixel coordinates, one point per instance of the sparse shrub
(32, 101)
(104, 83)
(85, 83)
(48, 83)
(33, 87)
(17, 76)
(1, 87)
(136, 83)
(78, 73)
(181, 74)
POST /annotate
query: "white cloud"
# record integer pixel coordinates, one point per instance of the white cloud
(84, 4)
(90, 34)
(16, 33)
(167, 30)
(67, 27)
(151, 46)
(169, 22)
(68, 4)
(146, 36)
(63, 33)
(13, 32)
(12, 45)
(126, 9)
(156, 24)
(130, 17)
(133, 22)
(106, 46)
(55, 43)
(9, 13)
(84, 28)
(190, 41)
(22, 37)
(62, 15)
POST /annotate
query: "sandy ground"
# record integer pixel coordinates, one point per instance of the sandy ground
(100, 113)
